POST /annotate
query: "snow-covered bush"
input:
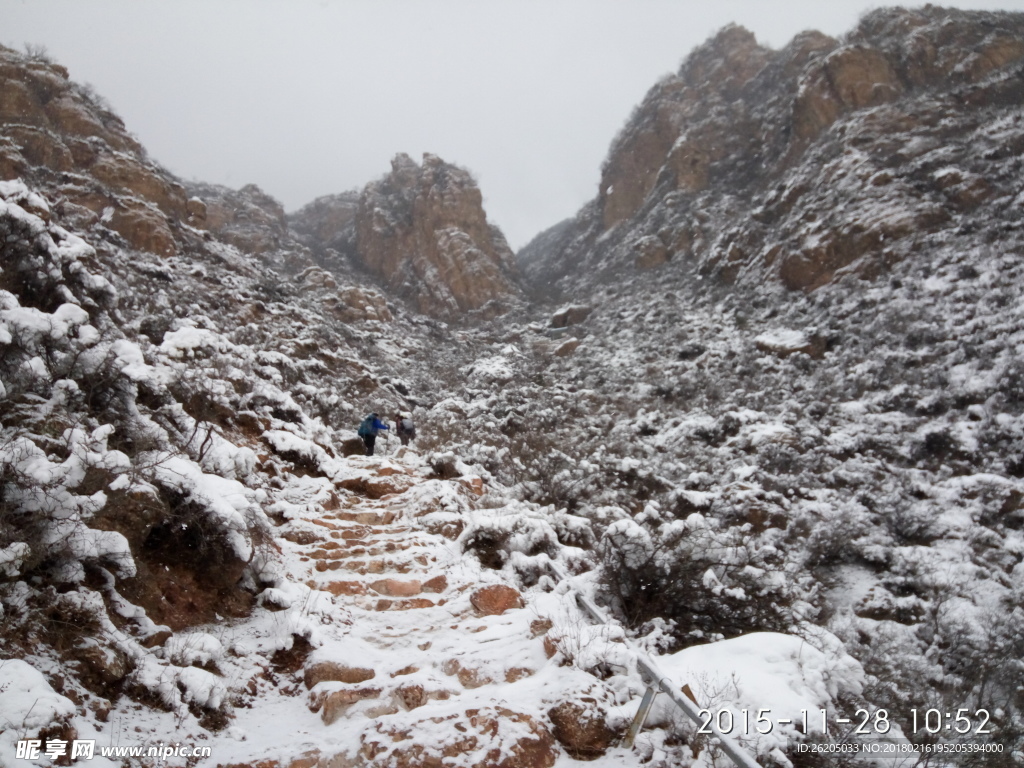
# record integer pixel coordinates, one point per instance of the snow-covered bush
(708, 580)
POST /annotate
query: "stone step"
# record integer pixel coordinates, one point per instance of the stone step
(420, 562)
(406, 604)
(364, 531)
(361, 550)
(384, 587)
(340, 588)
(409, 588)
(366, 518)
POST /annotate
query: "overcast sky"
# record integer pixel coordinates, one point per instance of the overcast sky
(311, 97)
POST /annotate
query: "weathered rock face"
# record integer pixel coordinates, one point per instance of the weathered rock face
(248, 218)
(803, 165)
(724, 65)
(57, 132)
(422, 229)
(51, 125)
(328, 222)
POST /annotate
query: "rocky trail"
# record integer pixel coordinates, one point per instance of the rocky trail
(396, 648)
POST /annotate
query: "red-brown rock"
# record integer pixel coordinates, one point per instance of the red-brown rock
(396, 588)
(331, 671)
(437, 584)
(495, 600)
(494, 737)
(580, 727)
(423, 230)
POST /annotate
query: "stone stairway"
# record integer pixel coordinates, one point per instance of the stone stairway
(427, 659)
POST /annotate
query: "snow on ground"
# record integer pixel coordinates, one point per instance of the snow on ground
(370, 643)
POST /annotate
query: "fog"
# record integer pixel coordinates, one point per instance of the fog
(312, 97)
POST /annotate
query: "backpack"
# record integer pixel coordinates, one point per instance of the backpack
(366, 429)
(408, 427)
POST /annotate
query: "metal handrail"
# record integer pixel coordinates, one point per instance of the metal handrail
(650, 670)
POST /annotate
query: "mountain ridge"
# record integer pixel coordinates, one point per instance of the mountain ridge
(668, 419)
(720, 154)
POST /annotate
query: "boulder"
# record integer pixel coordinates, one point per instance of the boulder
(376, 487)
(436, 585)
(469, 677)
(473, 483)
(411, 696)
(324, 671)
(540, 626)
(784, 342)
(567, 347)
(650, 252)
(491, 737)
(195, 211)
(495, 600)
(101, 666)
(580, 727)
(333, 705)
(570, 315)
(353, 446)
(358, 304)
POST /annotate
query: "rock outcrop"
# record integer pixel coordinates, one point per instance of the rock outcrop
(823, 159)
(328, 223)
(247, 218)
(422, 231)
(56, 130)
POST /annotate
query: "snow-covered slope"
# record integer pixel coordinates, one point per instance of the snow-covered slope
(777, 430)
(825, 158)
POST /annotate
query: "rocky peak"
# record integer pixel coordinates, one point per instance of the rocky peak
(247, 218)
(423, 232)
(666, 127)
(726, 62)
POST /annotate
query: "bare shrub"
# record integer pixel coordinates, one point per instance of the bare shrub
(707, 582)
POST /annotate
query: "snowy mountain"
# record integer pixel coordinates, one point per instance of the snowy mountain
(912, 120)
(761, 400)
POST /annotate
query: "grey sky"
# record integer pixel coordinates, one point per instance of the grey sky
(310, 97)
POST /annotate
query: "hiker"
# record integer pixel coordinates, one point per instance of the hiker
(368, 430)
(404, 427)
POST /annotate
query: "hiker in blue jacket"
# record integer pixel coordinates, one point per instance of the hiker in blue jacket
(368, 431)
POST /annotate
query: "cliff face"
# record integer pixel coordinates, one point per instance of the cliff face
(423, 232)
(823, 158)
(61, 131)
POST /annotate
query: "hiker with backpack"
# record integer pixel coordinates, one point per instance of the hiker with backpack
(404, 427)
(368, 430)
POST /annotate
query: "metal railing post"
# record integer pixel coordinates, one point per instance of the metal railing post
(647, 667)
(641, 717)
